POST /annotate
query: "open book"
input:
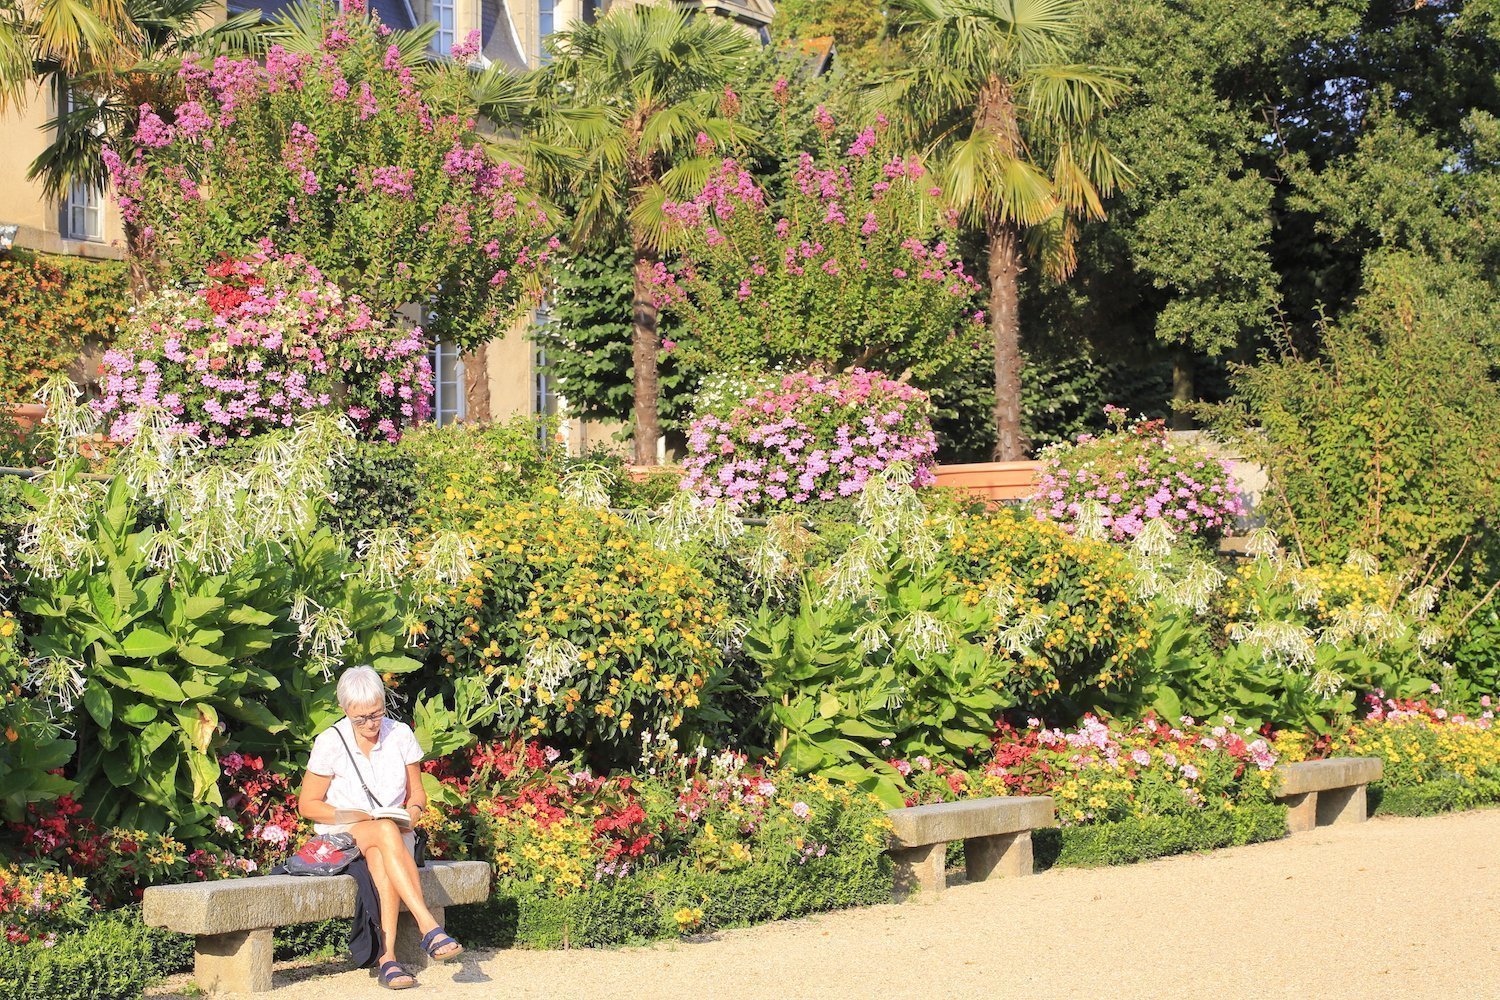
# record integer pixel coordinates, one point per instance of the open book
(395, 814)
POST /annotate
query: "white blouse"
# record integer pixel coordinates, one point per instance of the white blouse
(384, 770)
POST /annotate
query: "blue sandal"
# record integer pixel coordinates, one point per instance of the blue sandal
(391, 971)
(438, 938)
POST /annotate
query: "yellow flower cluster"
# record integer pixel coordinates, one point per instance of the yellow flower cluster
(1094, 628)
(635, 624)
(560, 855)
(1416, 751)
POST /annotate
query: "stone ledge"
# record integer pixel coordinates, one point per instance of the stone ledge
(949, 821)
(1325, 775)
(202, 908)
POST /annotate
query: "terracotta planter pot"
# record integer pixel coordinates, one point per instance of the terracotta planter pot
(640, 473)
(27, 415)
(991, 480)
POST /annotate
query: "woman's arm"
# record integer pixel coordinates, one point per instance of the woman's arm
(416, 795)
(310, 799)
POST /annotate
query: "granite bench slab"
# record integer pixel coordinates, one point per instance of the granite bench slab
(1323, 792)
(233, 920)
(996, 833)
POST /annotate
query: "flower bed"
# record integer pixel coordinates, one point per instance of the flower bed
(1136, 476)
(1434, 760)
(810, 437)
(265, 340)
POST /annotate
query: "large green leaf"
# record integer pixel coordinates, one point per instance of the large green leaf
(145, 643)
(154, 684)
(96, 698)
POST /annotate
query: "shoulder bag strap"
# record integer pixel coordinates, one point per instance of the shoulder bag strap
(357, 772)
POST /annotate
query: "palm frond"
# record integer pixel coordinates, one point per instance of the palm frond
(985, 181)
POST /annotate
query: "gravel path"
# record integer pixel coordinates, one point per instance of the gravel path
(1389, 908)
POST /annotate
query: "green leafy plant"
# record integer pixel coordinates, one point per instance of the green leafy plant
(908, 671)
(31, 747)
(54, 308)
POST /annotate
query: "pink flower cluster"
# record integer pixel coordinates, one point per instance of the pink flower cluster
(264, 340)
(810, 437)
(1138, 475)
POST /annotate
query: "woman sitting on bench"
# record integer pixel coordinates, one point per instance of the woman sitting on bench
(366, 764)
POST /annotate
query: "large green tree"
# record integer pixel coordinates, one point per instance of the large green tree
(631, 94)
(997, 97)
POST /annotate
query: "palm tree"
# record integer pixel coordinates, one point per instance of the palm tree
(1010, 122)
(53, 33)
(630, 94)
(108, 79)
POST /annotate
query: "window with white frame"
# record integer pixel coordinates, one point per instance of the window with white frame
(83, 208)
(447, 383)
(83, 213)
(447, 33)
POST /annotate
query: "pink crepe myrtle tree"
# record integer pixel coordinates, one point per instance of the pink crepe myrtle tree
(857, 266)
(341, 155)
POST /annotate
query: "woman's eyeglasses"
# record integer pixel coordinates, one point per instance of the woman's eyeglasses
(365, 720)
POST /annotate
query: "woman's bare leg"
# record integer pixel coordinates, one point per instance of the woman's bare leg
(401, 869)
(390, 908)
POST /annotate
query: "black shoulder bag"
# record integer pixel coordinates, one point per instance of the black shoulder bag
(419, 845)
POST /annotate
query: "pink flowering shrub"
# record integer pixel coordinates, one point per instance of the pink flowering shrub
(810, 437)
(1137, 475)
(858, 266)
(265, 339)
(343, 154)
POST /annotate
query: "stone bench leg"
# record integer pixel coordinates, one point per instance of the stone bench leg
(409, 940)
(1007, 855)
(1302, 811)
(239, 962)
(1342, 805)
(919, 868)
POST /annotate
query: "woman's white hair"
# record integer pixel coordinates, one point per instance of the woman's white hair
(360, 686)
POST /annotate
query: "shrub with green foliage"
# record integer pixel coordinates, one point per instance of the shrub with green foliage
(54, 308)
(1141, 838)
(589, 633)
(1385, 442)
(115, 958)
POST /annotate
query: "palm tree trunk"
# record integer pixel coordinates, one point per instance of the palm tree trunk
(645, 342)
(1005, 331)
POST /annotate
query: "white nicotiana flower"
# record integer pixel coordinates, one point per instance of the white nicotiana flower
(1363, 562)
(1262, 543)
(449, 559)
(1154, 541)
(1326, 683)
(323, 636)
(1197, 586)
(1000, 598)
(57, 680)
(871, 636)
(69, 420)
(1090, 521)
(1430, 637)
(385, 555)
(546, 664)
(853, 575)
(1018, 637)
(588, 485)
(924, 634)
(1286, 642)
(1421, 601)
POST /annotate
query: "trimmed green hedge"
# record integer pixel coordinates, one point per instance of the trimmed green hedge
(1148, 837)
(115, 958)
(641, 907)
(1434, 797)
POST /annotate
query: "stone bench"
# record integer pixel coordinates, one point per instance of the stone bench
(233, 920)
(996, 833)
(1322, 792)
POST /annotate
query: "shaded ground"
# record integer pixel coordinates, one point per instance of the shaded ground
(1389, 908)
